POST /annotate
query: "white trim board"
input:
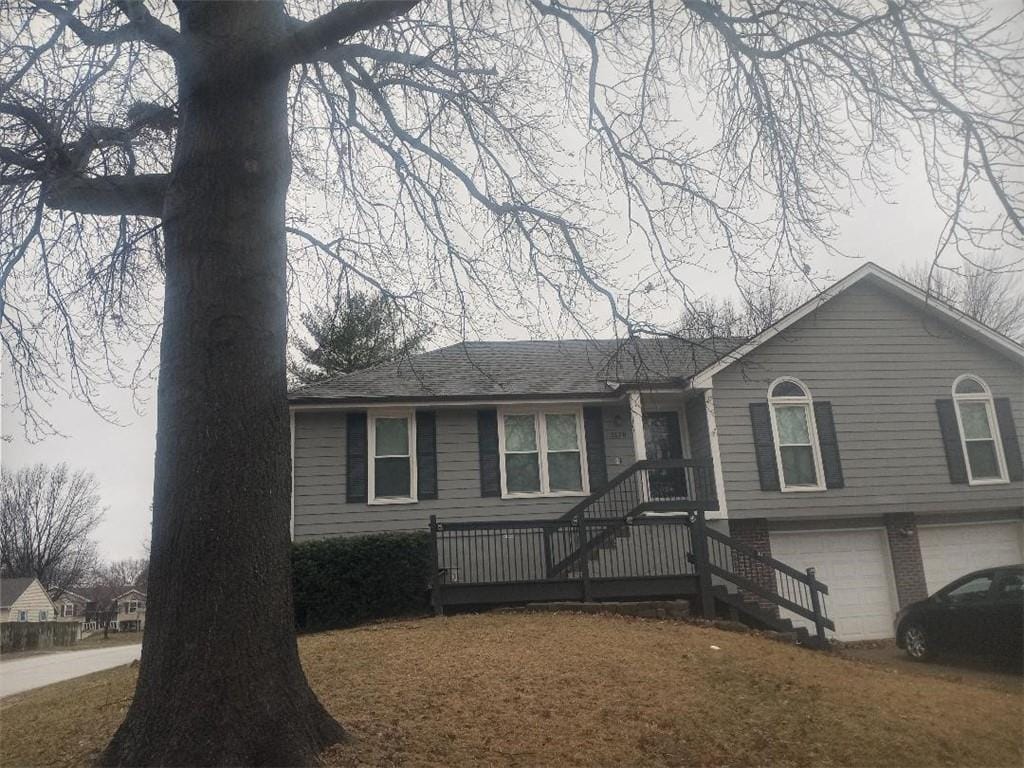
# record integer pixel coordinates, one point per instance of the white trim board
(984, 333)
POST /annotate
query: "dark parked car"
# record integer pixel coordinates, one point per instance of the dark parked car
(980, 613)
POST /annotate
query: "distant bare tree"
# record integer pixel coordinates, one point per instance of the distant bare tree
(986, 289)
(46, 518)
(709, 317)
(121, 575)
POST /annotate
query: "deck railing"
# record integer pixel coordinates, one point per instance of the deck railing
(771, 580)
(605, 539)
(515, 551)
(676, 485)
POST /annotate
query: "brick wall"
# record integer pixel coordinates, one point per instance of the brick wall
(907, 567)
(753, 532)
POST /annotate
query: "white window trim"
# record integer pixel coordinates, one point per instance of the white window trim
(22, 615)
(807, 401)
(993, 426)
(371, 454)
(540, 429)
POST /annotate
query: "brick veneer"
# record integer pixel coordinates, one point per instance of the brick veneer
(753, 532)
(905, 549)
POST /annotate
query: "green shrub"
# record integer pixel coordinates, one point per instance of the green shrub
(342, 581)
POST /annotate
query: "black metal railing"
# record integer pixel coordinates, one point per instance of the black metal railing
(521, 551)
(666, 485)
(642, 547)
(604, 538)
(492, 552)
(675, 485)
(766, 578)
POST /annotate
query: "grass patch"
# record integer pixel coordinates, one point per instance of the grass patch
(550, 689)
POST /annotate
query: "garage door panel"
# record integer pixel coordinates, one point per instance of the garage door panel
(855, 566)
(950, 551)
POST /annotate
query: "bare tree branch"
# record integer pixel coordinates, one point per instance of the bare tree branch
(142, 26)
(141, 195)
(343, 21)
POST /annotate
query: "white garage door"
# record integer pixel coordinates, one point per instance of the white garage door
(856, 567)
(950, 551)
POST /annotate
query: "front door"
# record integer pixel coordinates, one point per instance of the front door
(662, 437)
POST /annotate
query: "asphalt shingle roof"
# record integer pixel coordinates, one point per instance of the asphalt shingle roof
(12, 589)
(493, 369)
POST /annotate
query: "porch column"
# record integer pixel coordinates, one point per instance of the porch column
(636, 421)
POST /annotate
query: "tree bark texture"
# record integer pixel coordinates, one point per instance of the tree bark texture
(220, 681)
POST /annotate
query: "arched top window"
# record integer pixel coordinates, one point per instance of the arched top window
(970, 385)
(788, 388)
(796, 436)
(979, 430)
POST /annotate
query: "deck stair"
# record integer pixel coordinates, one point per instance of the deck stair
(738, 607)
(613, 546)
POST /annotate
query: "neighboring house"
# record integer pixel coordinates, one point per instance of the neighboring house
(25, 599)
(70, 606)
(131, 611)
(871, 434)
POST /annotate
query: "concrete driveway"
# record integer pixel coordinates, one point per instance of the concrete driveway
(984, 672)
(19, 675)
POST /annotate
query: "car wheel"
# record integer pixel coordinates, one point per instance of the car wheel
(915, 641)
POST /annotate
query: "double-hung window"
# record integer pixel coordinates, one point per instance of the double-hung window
(979, 431)
(542, 453)
(796, 436)
(392, 465)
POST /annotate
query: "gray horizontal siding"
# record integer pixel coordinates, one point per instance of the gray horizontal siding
(319, 478)
(882, 364)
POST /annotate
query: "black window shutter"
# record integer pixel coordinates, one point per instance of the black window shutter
(593, 426)
(355, 463)
(951, 441)
(764, 447)
(1011, 443)
(426, 455)
(490, 472)
(829, 445)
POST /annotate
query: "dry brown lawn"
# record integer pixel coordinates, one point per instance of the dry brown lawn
(562, 689)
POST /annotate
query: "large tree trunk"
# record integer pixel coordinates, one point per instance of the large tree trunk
(220, 681)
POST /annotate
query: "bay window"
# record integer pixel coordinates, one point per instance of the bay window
(392, 465)
(542, 453)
